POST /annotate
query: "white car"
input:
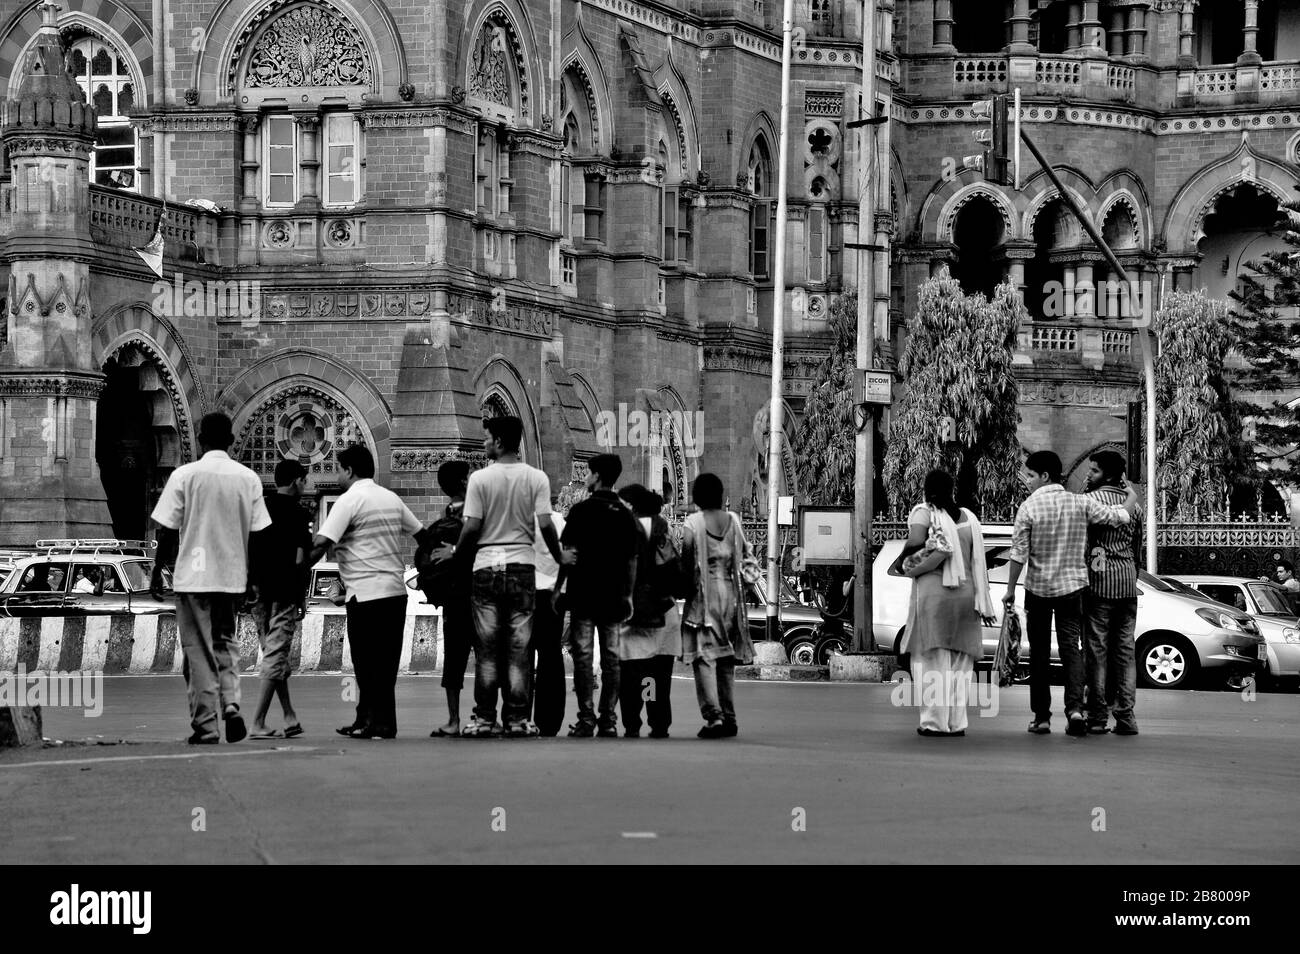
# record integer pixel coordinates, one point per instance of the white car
(1268, 604)
(325, 573)
(1177, 635)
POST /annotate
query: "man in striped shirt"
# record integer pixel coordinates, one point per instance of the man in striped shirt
(1110, 607)
(1050, 536)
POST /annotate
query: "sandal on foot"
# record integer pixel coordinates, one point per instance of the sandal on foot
(478, 728)
(293, 731)
(266, 734)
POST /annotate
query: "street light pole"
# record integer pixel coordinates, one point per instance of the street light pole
(864, 439)
(775, 406)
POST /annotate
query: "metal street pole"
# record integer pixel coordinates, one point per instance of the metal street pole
(864, 439)
(776, 408)
(1141, 328)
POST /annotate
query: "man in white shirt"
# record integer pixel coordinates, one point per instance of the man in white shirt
(547, 652)
(501, 504)
(365, 528)
(206, 512)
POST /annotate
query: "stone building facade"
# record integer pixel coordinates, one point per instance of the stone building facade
(382, 220)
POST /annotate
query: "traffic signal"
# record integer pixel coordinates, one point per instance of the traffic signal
(1000, 161)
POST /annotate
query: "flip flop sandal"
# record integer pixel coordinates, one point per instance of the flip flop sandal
(267, 734)
(293, 731)
(441, 733)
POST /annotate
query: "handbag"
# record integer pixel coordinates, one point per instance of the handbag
(1007, 658)
(750, 570)
(929, 558)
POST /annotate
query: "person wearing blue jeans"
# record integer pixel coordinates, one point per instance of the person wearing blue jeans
(506, 503)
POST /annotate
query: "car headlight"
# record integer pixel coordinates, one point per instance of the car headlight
(1291, 634)
(1215, 618)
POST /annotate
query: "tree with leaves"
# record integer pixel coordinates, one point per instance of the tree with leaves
(1200, 455)
(1265, 325)
(958, 364)
(824, 441)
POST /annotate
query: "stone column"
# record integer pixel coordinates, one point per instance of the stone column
(1116, 34)
(1092, 34)
(1186, 36)
(1020, 29)
(1136, 32)
(250, 200)
(309, 129)
(1074, 40)
(943, 27)
(1085, 288)
(1250, 37)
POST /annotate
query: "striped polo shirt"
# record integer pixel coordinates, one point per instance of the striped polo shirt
(1112, 551)
(367, 526)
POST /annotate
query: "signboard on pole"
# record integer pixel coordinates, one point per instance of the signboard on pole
(785, 511)
(826, 535)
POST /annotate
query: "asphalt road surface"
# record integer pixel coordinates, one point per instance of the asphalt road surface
(820, 773)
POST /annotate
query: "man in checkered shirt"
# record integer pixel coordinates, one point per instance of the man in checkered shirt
(1051, 537)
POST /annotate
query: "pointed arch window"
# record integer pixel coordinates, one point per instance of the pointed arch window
(108, 83)
(761, 211)
(676, 245)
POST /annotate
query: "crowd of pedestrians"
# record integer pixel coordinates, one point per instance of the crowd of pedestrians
(504, 569)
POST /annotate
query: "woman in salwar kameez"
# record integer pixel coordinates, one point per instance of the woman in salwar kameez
(715, 630)
(944, 634)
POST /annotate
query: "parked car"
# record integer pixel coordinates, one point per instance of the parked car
(325, 573)
(800, 625)
(1267, 604)
(76, 577)
(1177, 635)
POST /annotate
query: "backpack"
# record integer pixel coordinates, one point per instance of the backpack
(438, 579)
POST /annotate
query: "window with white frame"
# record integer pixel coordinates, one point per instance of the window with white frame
(342, 151)
(761, 210)
(492, 172)
(568, 269)
(593, 211)
(281, 161)
(676, 217)
(106, 80)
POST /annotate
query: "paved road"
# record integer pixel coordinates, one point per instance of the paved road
(1211, 779)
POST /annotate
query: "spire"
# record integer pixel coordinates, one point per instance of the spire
(47, 95)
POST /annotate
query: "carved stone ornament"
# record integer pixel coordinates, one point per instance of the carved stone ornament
(308, 46)
(548, 122)
(29, 301)
(458, 94)
(489, 76)
(279, 234)
(191, 97)
(406, 91)
(431, 460)
(67, 384)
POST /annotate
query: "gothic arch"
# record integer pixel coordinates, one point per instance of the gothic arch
(760, 126)
(677, 98)
(1123, 202)
(498, 375)
(1045, 192)
(1185, 221)
(110, 20)
(580, 59)
(590, 405)
(684, 465)
(136, 325)
(523, 49)
(1127, 183)
(941, 207)
(900, 200)
(234, 27)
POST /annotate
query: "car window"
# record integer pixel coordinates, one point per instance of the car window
(998, 559)
(85, 577)
(1228, 593)
(43, 578)
(1272, 600)
(138, 574)
(321, 584)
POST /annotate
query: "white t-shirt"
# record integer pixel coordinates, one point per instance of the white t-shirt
(507, 498)
(547, 571)
(215, 503)
(367, 525)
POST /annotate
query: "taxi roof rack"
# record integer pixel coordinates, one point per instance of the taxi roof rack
(94, 545)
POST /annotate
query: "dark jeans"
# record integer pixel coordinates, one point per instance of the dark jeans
(1068, 610)
(457, 640)
(375, 632)
(1112, 667)
(715, 688)
(649, 681)
(503, 619)
(548, 666)
(582, 646)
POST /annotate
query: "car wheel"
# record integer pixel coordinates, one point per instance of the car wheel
(1166, 661)
(801, 647)
(828, 645)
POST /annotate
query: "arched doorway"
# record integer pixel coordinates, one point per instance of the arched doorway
(138, 442)
(1243, 225)
(977, 230)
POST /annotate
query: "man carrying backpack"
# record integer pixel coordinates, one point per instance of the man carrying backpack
(448, 583)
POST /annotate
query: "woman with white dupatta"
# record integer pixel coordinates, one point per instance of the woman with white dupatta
(944, 633)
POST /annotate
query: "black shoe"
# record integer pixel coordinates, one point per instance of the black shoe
(581, 730)
(658, 733)
(1098, 728)
(198, 738)
(711, 731)
(729, 730)
(235, 729)
(632, 734)
(930, 733)
(371, 732)
(607, 732)
(1040, 726)
(1122, 729)
(1077, 725)
(350, 730)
